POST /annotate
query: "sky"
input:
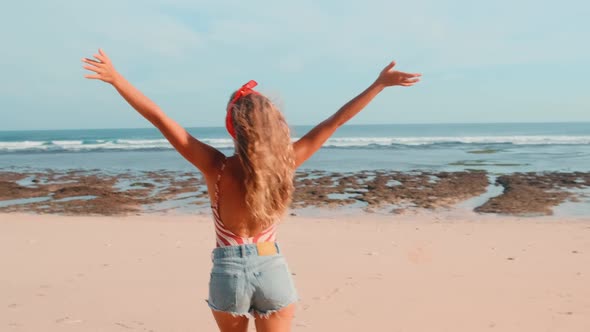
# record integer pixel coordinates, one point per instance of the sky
(493, 61)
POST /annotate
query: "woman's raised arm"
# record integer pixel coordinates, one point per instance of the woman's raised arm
(307, 145)
(203, 156)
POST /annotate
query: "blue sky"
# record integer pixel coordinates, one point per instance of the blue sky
(493, 61)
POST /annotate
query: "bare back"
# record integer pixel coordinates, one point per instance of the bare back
(233, 210)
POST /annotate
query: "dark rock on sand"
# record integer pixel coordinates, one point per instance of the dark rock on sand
(534, 193)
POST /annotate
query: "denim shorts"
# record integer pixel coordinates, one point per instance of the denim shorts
(242, 282)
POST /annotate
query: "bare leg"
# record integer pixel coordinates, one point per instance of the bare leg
(228, 323)
(279, 321)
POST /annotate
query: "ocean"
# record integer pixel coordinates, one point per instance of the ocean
(494, 147)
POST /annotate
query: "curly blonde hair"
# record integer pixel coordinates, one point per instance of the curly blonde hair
(264, 148)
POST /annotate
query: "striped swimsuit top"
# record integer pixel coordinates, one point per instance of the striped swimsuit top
(224, 237)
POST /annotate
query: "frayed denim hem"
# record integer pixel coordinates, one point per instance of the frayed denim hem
(234, 314)
(266, 314)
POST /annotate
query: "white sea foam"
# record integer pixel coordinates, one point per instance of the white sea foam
(340, 142)
(23, 145)
(520, 140)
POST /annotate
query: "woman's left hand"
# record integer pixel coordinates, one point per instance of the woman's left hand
(103, 68)
(390, 77)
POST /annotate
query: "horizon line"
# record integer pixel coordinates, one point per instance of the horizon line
(301, 125)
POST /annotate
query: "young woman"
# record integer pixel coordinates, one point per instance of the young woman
(249, 192)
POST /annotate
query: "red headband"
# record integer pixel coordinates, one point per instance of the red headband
(245, 90)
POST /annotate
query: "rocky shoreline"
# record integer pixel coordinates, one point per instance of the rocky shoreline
(95, 192)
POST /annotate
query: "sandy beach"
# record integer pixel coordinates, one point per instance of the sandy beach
(440, 178)
(413, 272)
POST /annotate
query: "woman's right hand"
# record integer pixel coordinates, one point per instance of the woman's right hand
(390, 77)
(102, 66)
